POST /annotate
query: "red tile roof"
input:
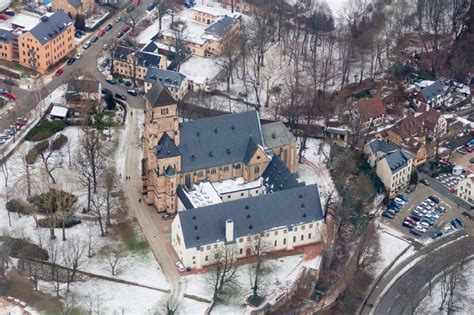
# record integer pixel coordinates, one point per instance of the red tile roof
(369, 108)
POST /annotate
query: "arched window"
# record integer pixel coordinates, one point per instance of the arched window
(237, 166)
(256, 170)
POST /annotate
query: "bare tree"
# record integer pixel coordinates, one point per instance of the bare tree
(94, 149)
(114, 255)
(224, 275)
(73, 257)
(5, 250)
(50, 160)
(69, 303)
(24, 168)
(178, 28)
(259, 247)
(98, 210)
(3, 164)
(167, 307)
(109, 186)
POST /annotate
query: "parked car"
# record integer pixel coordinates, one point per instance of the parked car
(87, 44)
(404, 198)
(78, 56)
(394, 209)
(180, 266)
(468, 215)
(430, 202)
(105, 90)
(101, 33)
(105, 62)
(391, 211)
(78, 34)
(119, 34)
(167, 216)
(388, 215)
(132, 92)
(125, 29)
(108, 27)
(94, 39)
(425, 181)
(407, 224)
(409, 219)
(10, 12)
(12, 96)
(416, 232)
(434, 198)
(120, 96)
(456, 224)
(71, 61)
(436, 234)
(3, 17)
(411, 189)
(399, 201)
(150, 7)
(3, 91)
(9, 81)
(394, 204)
(59, 72)
(111, 81)
(20, 123)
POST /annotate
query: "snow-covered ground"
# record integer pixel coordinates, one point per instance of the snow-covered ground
(391, 246)
(140, 267)
(280, 274)
(431, 304)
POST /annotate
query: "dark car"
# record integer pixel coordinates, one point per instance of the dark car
(150, 7)
(78, 34)
(397, 210)
(3, 91)
(71, 61)
(434, 199)
(167, 216)
(416, 232)
(391, 211)
(108, 27)
(94, 39)
(436, 234)
(456, 224)
(9, 81)
(387, 215)
(125, 29)
(105, 62)
(415, 217)
(119, 34)
(10, 12)
(468, 215)
(408, 224)
(120, 96)
(393, 204)
(105, 91)
(111, 81)
(132, 92)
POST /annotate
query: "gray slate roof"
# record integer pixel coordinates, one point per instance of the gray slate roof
(222, 26)
(146, 59)
(378, 145)
(432, 91)
(7, 36)
(166, 147)
(250, 151)
(158, 95)
(276, 134)
(397, 160)
(75, 3)
(278, 177)
(166, 77)
(50, 27)
(150, 47)
(217, 140)
(206, 225)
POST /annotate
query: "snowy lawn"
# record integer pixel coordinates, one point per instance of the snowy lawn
(390, 247)
(279, 275)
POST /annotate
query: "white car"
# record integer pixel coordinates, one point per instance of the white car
(425, 205)
(424, 225)
(180, 266)
(78, 56)
(430, 202)
(399, 201)
(420, 228)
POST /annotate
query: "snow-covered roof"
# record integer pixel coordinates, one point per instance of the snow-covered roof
(238, 184)
(210, 10)
(199, 69)
(59, 111)
(202, 195)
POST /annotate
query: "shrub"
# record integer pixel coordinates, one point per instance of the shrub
(53, 200)
(44, 130)
(120, 80)
(109, 100)
(39, 148)
(23, 249)
(58, 223)
(58, 143)
(19, 206)
(128, 83)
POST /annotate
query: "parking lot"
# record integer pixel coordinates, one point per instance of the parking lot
(440, 221)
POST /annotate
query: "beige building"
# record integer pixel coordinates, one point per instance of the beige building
(466, 189)
(369, 113)
(176, 83)
(41, 46)
(211, 149)
(73, 7)
(394, 170)
(130, 63)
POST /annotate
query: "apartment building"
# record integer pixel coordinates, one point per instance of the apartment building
(176, 83)
(394, 170)
(466, 189)
(42, 45)
(130, 63)
(369, 112)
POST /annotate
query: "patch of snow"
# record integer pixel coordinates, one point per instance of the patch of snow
(200, 69)
(237, 184)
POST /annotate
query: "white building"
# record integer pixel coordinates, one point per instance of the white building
(284, 220)
(466, 189)
(394, 170)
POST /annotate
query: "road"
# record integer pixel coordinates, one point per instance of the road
(407, 291)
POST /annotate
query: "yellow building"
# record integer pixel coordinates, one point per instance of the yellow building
(73, 7)
(211, 149)
(130, 63)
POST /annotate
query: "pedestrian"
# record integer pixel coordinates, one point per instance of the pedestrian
(139, 199)
(131, 113)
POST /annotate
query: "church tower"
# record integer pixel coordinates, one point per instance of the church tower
(161, 156)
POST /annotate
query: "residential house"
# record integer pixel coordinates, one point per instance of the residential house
(73, 7)
(433, 95)
(134, 64)
(337, 135)
(376, 149)
(176, 83)
(466, 189)
(41, 45)
(394, 170)
(369, 113)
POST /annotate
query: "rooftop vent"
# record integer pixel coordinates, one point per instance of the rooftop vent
(215, 130)
(194, 218)
(304, 215)
(198, 134)
(233, 127)
(211, 154)
(198, 238)
(195, 227)
(250, 226)
(246, 206)
(302, 205)
(274, 136)
(248, 216)
(227, 151)
(193, 157)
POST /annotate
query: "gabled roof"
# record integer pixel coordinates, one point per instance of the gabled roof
(147, 59)
(150, 47)
(432, 91)
(7, 36)
(166, 77)
(222, 26)
(278, 177)
(276, 134)
(377, 145)
(122, 52)
(75, 3)
(166, 147)
(287, 208)
(250, 151)
(217, 141)
(397, 160)
(369, 108)
(51, 26)
(158, 96)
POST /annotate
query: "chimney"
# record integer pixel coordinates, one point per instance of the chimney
(229, 230)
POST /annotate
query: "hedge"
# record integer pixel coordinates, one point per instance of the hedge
(39, 148)
(23, 249)
(17, 205)
(44, 130)
(58, 143)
